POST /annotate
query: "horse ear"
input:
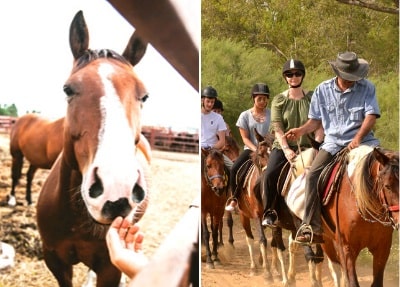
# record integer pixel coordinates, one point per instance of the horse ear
(135, 49)
(380, 156)
(259, 137)
(78, 35)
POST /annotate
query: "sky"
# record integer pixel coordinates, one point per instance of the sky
(36, 58)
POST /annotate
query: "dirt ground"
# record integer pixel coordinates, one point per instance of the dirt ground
(175, 186)
(235, 268)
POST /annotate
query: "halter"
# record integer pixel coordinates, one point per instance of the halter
(224, 176)
(382, 196)
(386, 214)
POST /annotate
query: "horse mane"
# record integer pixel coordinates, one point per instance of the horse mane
(91, 55)
(366, 187)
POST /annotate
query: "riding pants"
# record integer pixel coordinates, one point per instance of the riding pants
(245, 155)
(276, 162)
(312, 212)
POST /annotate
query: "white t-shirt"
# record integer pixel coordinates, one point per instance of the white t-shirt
(211, 124)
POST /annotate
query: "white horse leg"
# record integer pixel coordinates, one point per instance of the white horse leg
(265, 265)
(250, 245)
(318, 274)
(281, 258)
(274, 261)
(336, 273)
(293, 247)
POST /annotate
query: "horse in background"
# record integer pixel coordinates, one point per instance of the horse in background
(97, 176)
(40, 141)
(363, 213)
(214, 194)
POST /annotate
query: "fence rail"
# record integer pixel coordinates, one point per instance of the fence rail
(168, 140)
(6, 122)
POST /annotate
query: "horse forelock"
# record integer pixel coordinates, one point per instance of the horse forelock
(91, 55)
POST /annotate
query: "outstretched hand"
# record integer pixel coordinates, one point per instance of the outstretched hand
(124, 242)
(293, 134)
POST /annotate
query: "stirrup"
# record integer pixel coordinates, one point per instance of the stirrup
(271, 212)
(304, 228)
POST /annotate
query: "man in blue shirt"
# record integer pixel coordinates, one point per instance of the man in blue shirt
(346, 106)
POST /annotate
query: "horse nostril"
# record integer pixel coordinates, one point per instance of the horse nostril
(96, 189)
(112, 209)
(138, 193)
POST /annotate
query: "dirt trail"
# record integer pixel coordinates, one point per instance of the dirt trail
(235, 268)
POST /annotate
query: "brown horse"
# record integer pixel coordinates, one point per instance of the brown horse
(251, 207)
(97, 177)
(214, 194)
(363, 214)
(250, 204)
(40, 141)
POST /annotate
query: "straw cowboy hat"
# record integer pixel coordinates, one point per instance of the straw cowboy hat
(348, 67)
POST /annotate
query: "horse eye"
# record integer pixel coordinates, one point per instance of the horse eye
(68, 90)
(144, 98)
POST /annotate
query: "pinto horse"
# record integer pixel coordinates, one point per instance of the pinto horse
(250, 204)
(363, 213)
(40, 141)
(97, 176)
(214, 194)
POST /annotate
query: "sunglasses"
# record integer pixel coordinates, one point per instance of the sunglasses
(296, 74)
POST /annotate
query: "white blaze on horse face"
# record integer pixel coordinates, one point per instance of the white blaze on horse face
(115, 163)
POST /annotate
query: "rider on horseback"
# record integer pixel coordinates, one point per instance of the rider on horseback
(258, 117)
(346, 107)
(213, 127)
(289, 110)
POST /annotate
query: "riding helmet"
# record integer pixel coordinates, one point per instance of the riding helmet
(260, 89)
(209, 92)
(293, 65)
(218, 105)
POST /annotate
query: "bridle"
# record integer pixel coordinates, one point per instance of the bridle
(393, 168)
(224, 177)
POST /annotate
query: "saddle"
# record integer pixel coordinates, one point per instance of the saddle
(328, 181)
(242, 173)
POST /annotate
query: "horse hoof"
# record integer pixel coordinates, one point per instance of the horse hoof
(210, 265)
(12, 201)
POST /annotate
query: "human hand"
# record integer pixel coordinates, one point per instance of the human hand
(289, 154)
(293, 134)
(124, 242)
(353, 144)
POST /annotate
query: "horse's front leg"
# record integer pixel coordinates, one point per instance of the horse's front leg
(206, 239)
(278, 243)
(380, 256)
(62, 272)
(229, 221)
(250, 242)
(314, 260)
(214, 234)
(263, 248)
(293, 247)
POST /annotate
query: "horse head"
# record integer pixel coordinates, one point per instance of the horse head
(388, 178)
(102, 126)
(214, 170)
(261, 155)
